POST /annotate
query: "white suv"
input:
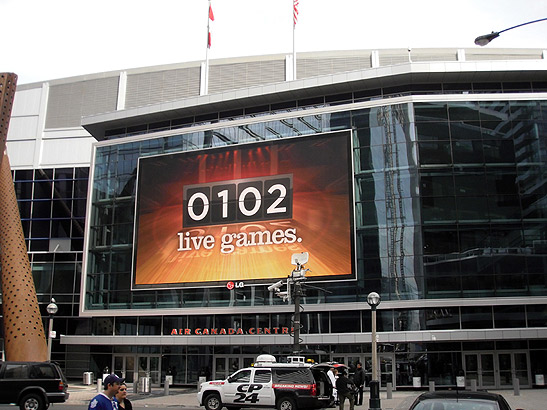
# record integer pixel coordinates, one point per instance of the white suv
(289, 386)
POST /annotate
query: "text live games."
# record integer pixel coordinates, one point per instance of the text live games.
(238, 213)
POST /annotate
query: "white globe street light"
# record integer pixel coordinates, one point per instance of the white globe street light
(52, 308)
(373, 299)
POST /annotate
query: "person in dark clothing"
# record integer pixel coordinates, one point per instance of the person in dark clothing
(359, 380)
(345, 388)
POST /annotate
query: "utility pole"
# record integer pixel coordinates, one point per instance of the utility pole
(294, 280)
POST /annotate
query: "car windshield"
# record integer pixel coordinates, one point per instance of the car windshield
(461, 404)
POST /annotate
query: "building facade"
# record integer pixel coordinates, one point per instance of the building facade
(420, 176)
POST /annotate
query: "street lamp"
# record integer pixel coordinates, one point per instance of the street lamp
(487, 38)
(373, 299)
(52, 308)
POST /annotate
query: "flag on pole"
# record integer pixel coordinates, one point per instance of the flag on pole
(295, 12)
(211, 18)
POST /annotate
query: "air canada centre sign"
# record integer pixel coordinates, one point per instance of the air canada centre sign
(233, 331)
(238, 213)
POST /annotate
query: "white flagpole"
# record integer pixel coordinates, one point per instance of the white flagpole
(294, 40)
(206, 78)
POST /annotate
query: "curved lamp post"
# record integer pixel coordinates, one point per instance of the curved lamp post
(373, 299)
(487, 38)
(52, 308)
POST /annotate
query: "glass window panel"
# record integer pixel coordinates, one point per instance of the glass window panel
(441, 240)
(150, 326)
(178, 323)
(467, 152)
(42, 274)
(468, 130)
(23, 190)
(504, 207)
(437, 185)
(499, 151)
(509, 316)
(476, 317)
(471, 182)
(472, 208)
(345, 322)
(438, 209)
(442, 286)
(536, 315)
(478, 286)
(442, 318)
(435, 152)
(42, 190)
(501, 182)
(463, 111)
(102, 326)
(433, 131)
(409, 319)
(384, 320)
(314, 323)
(63, 278)
(41, 209)
(473, 238)
(430, 112)
(126, 326)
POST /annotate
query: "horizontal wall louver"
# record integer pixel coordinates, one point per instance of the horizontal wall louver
(493, 55)
(68, 103)
(161, 86)
(313, 67)
(226, 77)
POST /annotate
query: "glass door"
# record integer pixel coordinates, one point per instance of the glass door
(480, 367)
(124, 366)
(511, 365)
(227, 365)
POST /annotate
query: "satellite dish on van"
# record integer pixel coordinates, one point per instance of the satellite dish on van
(265, 358)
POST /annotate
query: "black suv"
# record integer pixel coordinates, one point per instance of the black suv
(274, 385)
(32, 385)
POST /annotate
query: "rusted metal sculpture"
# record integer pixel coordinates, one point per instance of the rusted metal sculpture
(24, 337)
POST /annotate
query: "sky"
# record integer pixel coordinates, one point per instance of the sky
(50, 39)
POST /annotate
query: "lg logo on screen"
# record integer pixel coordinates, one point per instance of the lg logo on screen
(241, 200)
(234, 285)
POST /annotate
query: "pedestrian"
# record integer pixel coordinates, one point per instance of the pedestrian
(332, 373)
(106, 400)
(359, 380)
(346, 390)
(121, 397)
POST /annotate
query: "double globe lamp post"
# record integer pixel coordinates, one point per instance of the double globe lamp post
(373, 299)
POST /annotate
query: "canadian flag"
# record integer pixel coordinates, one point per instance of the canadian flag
(211, 18)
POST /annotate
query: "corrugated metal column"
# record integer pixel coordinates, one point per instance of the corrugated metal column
(24, 337)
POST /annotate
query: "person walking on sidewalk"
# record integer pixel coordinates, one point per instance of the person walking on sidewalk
(359, 380)
(346, 390)
(121, 397)
(105, 400)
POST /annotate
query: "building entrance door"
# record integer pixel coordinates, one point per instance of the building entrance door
(497, 370)
(385, 366)
(228, 364)
(132, 367)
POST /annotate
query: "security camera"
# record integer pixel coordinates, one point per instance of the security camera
(275, 286)
(300, 258)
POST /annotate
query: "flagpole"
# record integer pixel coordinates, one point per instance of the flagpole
(206, 79)
(295, 13)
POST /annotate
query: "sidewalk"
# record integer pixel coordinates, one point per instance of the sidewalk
(185, 397)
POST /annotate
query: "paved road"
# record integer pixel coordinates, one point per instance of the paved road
(185, 398)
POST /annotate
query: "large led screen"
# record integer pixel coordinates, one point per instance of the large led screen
(238, 213)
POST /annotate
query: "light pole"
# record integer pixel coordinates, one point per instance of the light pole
(52, 308)
(373, 299)
(487, 38)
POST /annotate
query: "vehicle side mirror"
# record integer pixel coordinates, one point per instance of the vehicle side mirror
(230, 379)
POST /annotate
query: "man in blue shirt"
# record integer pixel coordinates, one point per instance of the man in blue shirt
(105, 400)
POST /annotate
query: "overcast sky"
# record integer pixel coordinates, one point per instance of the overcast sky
(48, 39)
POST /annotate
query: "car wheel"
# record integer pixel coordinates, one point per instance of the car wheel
(286, 403)
(32, 402)
(212, 402)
